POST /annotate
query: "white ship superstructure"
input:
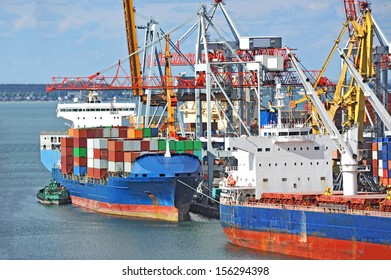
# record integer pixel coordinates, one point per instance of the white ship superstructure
(94, 113)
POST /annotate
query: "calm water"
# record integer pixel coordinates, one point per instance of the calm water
(31, 231)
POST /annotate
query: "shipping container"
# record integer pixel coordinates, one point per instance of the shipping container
(116, 145)
(101, 143)
(116, 166)
(80, 152)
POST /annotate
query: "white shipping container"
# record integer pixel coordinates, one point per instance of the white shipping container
(153, 145)
(379, 146)
(380, 163)
(90, 143)
(90, 152)
(106, 132)
(116, 166)
(132, 145)
(114, 132)
(90, 162)
(100, 163)
(101, 143)
(374, 155)
(128, 167)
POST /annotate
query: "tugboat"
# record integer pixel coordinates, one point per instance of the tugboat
(53, 193)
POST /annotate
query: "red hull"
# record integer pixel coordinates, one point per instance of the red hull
(308, 247)
(166, 213)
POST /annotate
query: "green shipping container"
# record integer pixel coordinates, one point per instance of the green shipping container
(80, 152)
(216, 193)
(180, 146)
(147, 132)
(189, 145)
(172, 145)
(197, 145)
(162, 145)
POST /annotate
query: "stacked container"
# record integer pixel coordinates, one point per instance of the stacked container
(66, 155)
(116, 155)
(97, 161)
(381, 160)
(80, 152)
(100, 152)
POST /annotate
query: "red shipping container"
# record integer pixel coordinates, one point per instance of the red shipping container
(385, 174)
(91, 133)
(189, 152)
(66, 160)
(80, 161)
(123, 132)
(80, 142)
(90, 172)
(66, 169)
(80, 133)
(145, 145)
(66, 142)
(375, 172)
(100, 153)
(375, 163)
(115, 145)
(100, 173)
(117, 156)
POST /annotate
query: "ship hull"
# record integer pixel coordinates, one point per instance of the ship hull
(166, 198)
(307, 234)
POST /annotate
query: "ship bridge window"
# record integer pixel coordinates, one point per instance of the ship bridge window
(267, 149)
(323, 178)
(294, 133)
(284, 133)
(304, 133)
(259, 149)
(316, 148)
(265, 180)
(284, 179)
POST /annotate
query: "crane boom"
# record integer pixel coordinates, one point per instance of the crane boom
(368, 92)
(327, 121)
(347, 148)
(131, 35)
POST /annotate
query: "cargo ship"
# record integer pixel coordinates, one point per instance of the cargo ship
(116, 169)
(279, 197)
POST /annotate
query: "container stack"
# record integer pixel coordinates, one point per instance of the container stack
(381, 160)
(102, 152)
(97, 158)
(80, 152)
(66, 155)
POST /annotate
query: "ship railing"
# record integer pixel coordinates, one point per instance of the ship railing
(323, 209)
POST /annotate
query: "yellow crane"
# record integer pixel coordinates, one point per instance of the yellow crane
(131, 35)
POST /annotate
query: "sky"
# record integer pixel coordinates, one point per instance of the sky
(40, 39)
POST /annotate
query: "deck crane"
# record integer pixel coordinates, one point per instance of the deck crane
(131, 35)
(346, 144)
(171, 98)
(367, 91)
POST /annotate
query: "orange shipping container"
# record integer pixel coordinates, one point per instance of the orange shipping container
(374, 146)
(115, 145)
(134, 133)
(131, 156)
(80, 161)
(90, 172)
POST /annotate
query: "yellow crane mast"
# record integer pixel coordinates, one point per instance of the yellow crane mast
(131, 35)
(170, 95)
